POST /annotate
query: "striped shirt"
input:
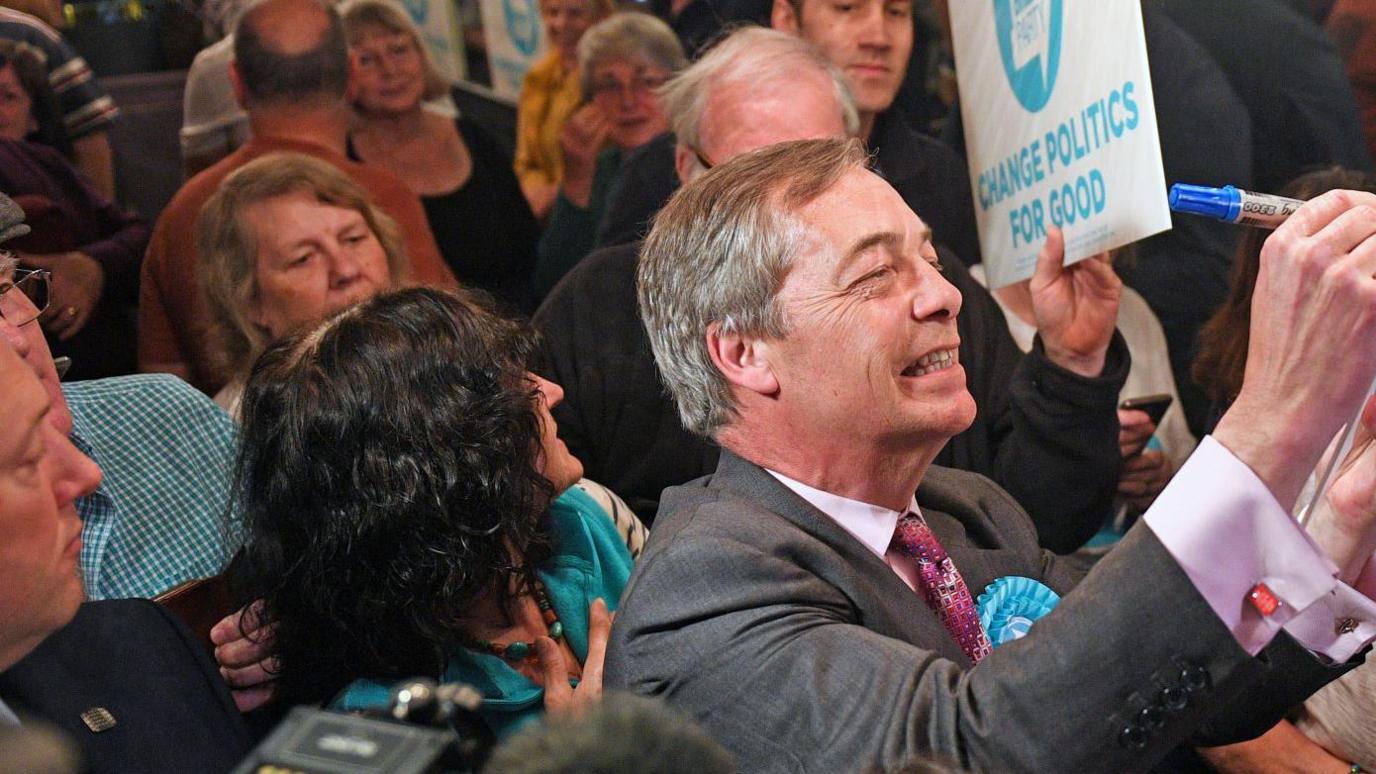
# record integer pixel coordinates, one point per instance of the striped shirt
(86, 108)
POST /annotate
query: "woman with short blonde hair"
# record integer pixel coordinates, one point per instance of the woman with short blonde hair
(473, 204)
(285, 241)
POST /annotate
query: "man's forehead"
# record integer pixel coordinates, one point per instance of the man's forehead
(747, 118)
(860, 210)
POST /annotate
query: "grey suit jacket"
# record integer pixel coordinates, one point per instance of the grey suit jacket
(800, 650)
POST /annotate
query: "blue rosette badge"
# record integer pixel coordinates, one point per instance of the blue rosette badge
(1010, 605)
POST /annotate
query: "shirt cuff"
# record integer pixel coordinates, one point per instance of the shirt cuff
(1227, 532)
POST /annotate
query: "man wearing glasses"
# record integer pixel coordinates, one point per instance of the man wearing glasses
(166, 450)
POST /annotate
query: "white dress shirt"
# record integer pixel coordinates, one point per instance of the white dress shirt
(1225, 530)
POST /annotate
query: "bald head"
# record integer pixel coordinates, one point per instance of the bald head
(291, 51)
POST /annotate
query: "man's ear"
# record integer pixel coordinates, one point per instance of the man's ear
(236, 82)
(685, 163)
(783, 17)
(743, 360)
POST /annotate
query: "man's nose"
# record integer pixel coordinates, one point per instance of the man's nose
(873, 32)
(934, 297)
(15, 337)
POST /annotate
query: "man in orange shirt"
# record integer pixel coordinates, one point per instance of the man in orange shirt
(291, 73)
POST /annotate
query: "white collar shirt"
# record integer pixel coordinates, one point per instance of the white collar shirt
(872, 525)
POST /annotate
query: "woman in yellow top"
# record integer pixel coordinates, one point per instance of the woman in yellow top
(549, 95)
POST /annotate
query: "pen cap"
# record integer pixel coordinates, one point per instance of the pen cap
(1221, 203)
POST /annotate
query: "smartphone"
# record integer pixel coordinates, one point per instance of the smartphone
(1154, 405)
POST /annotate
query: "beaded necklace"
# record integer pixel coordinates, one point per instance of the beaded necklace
(521, 650)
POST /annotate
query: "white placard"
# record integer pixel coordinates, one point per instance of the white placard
(515, 39)
(1060, 127)
(441, 34)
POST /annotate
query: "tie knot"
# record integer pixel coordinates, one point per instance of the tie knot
(914, 538)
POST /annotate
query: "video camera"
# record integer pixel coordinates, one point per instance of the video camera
(424, 728)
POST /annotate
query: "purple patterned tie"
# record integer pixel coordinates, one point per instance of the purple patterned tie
(942, 586)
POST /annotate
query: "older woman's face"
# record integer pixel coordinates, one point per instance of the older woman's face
(390, 72)
(16, 108)
(624, 90)
(313, 259)
(557, 465)
(565, 22)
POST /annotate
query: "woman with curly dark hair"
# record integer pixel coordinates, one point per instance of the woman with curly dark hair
(409, 511)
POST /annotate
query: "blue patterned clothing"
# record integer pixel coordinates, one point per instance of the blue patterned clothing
(167, 453)
(590, 561)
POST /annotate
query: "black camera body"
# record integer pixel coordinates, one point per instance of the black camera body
(425, 728)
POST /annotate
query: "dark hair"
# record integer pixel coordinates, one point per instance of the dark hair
(1222, 358)
(31, 66)
(272, 76)
(388, 477)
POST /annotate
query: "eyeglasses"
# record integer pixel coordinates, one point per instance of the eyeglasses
(639, 85)
(33, 283)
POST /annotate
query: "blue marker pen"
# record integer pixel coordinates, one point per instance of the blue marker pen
(1233, 205)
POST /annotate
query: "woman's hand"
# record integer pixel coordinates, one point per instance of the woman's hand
(1144, 476)
(1135, 428)
(560, 697)
(77, 284)
(245, 656)
(582, 139)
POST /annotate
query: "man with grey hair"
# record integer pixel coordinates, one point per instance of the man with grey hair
(1045, 431)
(290, 74)
(814, 615)
(869, 42)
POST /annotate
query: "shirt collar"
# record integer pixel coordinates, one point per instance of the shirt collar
(7, 716)
(872, 525)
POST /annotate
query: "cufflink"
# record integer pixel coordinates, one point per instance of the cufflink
(98, 719)
(1345, 626)
(1263, 599)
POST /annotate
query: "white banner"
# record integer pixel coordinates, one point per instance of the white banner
(441, 33)
(515, 39)
(1060, 128)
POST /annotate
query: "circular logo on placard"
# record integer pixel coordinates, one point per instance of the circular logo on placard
(522, 24)
(419, 10)
(1029, 33)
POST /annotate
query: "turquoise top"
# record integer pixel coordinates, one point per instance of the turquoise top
(590, 561)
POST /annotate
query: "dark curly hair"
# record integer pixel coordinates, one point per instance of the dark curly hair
(388, 476)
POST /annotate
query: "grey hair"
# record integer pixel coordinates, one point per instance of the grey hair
(717, 256)
(628, 35)
(623, 732)
(755, 58)
(8, 261)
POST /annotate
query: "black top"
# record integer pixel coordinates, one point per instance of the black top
(1046, 435)
(1285, 69)
(172, 710)
(484, 228)
(931, 178)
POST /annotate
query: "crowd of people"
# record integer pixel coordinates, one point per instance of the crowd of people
(689, 434)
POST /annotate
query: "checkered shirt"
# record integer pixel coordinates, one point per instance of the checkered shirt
(159, 516)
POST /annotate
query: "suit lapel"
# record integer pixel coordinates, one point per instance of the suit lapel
(884, 602)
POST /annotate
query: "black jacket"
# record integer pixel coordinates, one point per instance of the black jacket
(172, 710)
